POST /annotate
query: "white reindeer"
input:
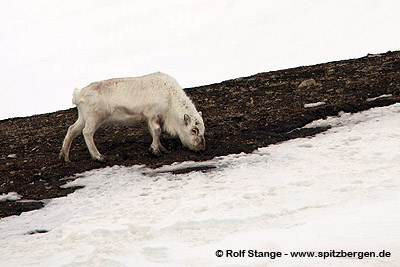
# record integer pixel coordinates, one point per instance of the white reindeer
(155, 97)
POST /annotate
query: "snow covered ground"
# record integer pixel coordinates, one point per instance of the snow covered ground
(339, 190)
(48, 48)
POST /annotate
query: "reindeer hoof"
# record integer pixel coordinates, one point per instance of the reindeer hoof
(156, 151)
(100, 159)
(62, 156)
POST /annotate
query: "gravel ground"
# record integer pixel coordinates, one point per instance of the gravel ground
(240, 115)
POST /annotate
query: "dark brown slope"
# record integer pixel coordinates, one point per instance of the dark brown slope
(240, 115)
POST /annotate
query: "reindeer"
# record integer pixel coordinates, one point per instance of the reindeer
(156, 98)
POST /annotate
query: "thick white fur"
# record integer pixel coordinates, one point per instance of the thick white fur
(156, 97)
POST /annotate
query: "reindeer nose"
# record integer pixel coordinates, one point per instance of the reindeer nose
(202, 144)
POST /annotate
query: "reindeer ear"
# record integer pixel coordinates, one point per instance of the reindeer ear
(186, 118)
(201, 114)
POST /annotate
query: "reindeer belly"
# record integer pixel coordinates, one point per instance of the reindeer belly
(124, 117)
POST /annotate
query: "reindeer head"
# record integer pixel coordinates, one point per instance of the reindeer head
(192, 133)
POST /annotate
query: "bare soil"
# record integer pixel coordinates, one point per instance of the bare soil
(240, 115)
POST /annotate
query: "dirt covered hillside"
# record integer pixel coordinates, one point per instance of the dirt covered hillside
(240, 115)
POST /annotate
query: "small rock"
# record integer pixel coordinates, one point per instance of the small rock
(308, 83)
(12, 156)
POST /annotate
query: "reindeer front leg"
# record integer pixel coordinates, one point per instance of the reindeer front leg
(155, 130)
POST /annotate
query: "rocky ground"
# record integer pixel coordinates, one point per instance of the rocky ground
(240, 115)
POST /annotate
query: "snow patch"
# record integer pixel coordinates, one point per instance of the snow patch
(11, 196)
(336, 190)
(313, 105)
(379, 97)
(346, 119)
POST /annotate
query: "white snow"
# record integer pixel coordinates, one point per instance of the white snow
(48, 48)
(379, 97)
(313, 105)
(12, 196)
(336, 191)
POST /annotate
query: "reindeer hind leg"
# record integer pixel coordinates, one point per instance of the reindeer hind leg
(73, 131)
(91, 125)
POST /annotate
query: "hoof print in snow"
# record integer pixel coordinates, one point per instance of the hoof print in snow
(37, 231)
